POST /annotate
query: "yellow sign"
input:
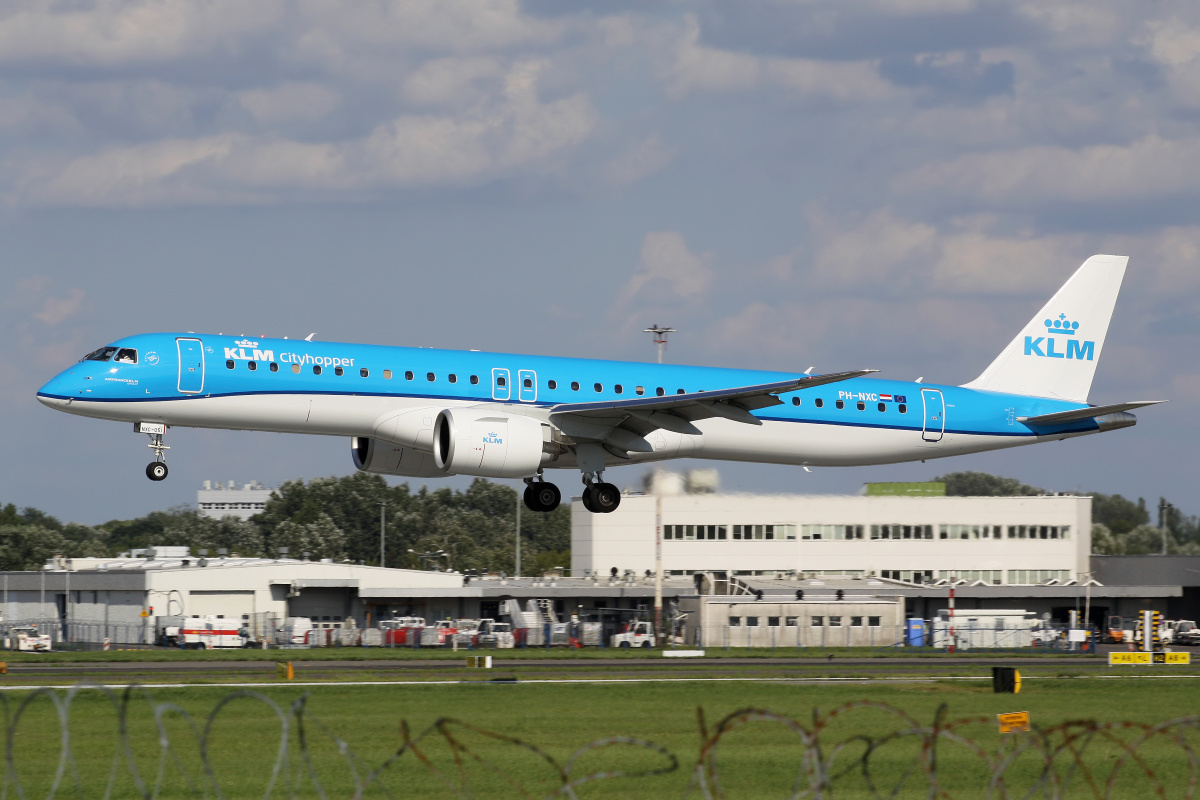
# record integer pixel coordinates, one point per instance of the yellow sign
(285, 670)
(1013, 722)
(1149, 658)
(1128, 658)
(144, 613)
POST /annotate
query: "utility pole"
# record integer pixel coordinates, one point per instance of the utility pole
(660, 337)
(1164, 509)
(520, 502)
(658, 567)
(382, 529)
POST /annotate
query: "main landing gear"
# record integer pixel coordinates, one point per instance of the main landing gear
(599, 497)
(156, 470)
(541, 495)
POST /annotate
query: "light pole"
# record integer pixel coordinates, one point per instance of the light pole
(431, 555)
(520, 502)
(382, 529)
(660, 337)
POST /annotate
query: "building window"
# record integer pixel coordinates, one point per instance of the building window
(772, 622)
(818, 622)
(735, 622)
(751, 622)
(791, 622)
(835, 622)
(856, 622)
(873, 622)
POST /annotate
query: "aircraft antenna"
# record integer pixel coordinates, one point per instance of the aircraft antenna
(660, 337)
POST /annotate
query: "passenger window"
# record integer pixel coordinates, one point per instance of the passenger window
(103, 354)
(252, 365)
(452, 378)
(639, 390)
(126, 356)
(819, 403)
(862, 406)
(795, 401)
(474, 379)
(229, 364)
(339, 371)
(316, 369)
(599, 387)
(680, 391)
(500, 381)
(274, 367)
(552, 384)
(408, 376)
(387, 374)
(429, 376)
(883, 407)
(363, 372)
(840, 404)
(903, 408)
(574, 386)
(296, 368)
(619, 388)
(527, 383)
(659, 391)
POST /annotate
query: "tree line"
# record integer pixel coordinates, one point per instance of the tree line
(339, 518)
(335, 518)
(1119, 526)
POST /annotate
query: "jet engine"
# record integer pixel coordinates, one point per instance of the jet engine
(468, 441)
(383, 458)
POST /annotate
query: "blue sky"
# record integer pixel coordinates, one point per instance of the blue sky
(895, 184)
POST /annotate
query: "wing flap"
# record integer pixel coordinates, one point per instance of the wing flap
(1063, 417)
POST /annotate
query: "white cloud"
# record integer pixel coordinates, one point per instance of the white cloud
(450, 81)
(289, 102)
(515, 131)
(669, 267)
(638, 161)
(1148, 168)
(56, 309)
(697, 67)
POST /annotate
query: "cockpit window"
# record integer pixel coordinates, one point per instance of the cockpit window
(126, 355)
(103, 354)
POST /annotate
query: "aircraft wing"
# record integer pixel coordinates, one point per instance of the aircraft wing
(1063, 417)
(622, 424)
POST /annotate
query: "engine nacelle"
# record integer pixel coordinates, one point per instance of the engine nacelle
(382, 458)
(468, 441)
(409, 427)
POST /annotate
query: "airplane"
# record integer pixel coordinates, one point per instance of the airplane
(425, 413)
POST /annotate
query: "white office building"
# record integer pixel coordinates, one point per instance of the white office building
(218, 499)
(990, 540)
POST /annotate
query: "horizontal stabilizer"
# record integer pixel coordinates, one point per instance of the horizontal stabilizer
(1063, 417)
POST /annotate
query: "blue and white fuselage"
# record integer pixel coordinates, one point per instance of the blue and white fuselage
(425, 413)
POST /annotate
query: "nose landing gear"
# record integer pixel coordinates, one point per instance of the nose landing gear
(156, 470)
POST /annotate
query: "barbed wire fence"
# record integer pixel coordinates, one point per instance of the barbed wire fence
(825, 757)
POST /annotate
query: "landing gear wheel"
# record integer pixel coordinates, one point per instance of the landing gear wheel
(542, 496)
(601, 498)
(156, 470)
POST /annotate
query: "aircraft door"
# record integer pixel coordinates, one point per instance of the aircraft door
(500, 388)
(527, 385)
(191, 365)
(935, 415)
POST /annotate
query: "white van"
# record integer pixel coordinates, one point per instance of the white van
(295, 630)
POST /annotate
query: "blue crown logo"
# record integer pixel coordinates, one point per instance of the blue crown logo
(1061, 325)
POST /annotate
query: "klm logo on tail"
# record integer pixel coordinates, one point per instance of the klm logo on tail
(1050, 347)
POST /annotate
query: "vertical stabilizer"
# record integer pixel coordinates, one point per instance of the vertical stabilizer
(1056, 353)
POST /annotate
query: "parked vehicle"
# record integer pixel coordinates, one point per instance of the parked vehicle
(636, 634)
(295, 630)
(28, 639)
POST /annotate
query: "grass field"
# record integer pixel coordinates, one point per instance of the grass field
(756, 760)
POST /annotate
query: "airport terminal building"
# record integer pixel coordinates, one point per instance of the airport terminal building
(995, 541)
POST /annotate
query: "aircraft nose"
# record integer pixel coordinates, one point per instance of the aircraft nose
(54, 394)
